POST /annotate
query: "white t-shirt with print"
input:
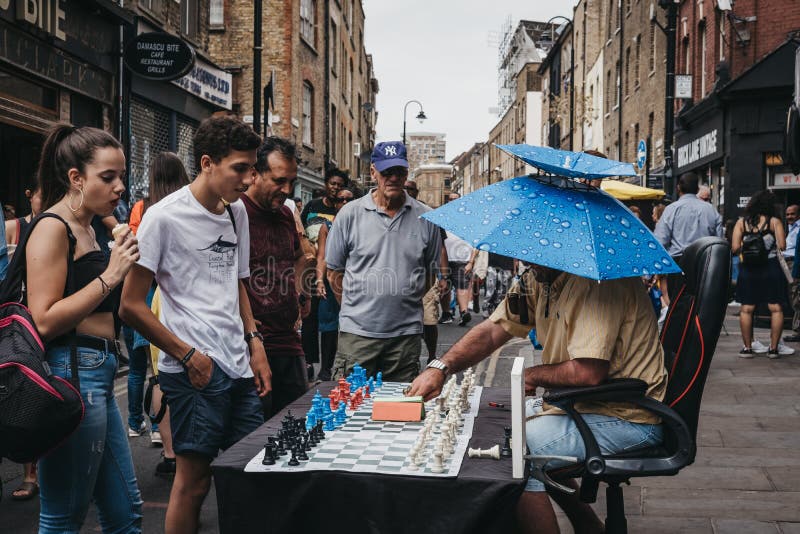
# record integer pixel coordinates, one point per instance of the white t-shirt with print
(458, 250)
(194, 256)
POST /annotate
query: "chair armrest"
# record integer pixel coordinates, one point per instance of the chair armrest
(626, 386)
(633, 391)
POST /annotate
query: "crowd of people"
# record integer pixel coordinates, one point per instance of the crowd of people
(233, 289)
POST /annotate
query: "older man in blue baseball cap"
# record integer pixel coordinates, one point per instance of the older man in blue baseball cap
(381, 259)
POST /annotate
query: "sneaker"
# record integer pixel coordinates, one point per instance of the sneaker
(166, 467)
(746, 353)
(758, 347)
(783, 350)
(132, 433)
(465, 318)
(794, 338)
(446, 319)
(155, 438)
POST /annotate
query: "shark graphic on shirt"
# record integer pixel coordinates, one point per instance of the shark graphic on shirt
(219, 246)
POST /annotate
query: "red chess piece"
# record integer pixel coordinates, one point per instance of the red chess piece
(353, 402)
(334, 398)
(366, 392)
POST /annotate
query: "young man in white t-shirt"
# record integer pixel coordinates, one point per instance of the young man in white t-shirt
(212, 366)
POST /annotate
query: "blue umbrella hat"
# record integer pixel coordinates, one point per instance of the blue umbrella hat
(559, 223)
(567, 163)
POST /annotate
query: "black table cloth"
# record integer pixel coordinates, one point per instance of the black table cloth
(480, 500)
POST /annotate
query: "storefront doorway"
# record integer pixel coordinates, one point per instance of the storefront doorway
(19, 157)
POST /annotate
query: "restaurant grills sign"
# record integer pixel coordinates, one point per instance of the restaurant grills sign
(159, 56)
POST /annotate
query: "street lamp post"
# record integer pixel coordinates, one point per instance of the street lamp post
(571, 76)
(671, 7)
(421, 116)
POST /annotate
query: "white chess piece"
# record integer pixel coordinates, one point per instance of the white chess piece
(494, 452)
(438, 466)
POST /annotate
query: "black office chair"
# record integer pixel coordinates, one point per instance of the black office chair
(689, 337)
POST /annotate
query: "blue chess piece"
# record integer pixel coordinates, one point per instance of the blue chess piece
(311, 419)
(379, 381)
(329, 422)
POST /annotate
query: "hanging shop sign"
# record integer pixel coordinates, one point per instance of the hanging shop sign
(159, 56)
(36, 57)
(208, 83)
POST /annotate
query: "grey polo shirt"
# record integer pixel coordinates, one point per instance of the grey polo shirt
(385, 262)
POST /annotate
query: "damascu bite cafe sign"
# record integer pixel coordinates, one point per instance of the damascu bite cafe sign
(159, 56)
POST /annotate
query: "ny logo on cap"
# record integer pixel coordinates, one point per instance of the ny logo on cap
(390, 150)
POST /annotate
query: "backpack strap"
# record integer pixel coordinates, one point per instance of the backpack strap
(230, 214)
(18, 275)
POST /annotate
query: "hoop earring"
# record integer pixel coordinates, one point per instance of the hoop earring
(69, 202)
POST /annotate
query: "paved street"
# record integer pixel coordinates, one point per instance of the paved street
(746, 477)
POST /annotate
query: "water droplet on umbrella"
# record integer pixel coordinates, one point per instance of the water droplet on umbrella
(580, 206)
(544, 242)
(612, 251)
(489, 197)
(625, 222)
(566, 224)
(665, 261)
(515, 212)
(624, 234)
(556, 244)
(556, 220)
(527, 226)
(658, 265)
(484, 246)
(461, 209)
(575, 264)
(506, 232)
(537, 234)
(609, 217)
(524, 251)
(516, 187)
(635, 241)
(588, 247)
(652, 245)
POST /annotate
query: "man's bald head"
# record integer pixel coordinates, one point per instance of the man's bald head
(704, 193)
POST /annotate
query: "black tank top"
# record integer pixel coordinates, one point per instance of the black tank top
(86, 269)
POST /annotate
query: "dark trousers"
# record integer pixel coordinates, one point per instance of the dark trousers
(288, 382)
(329, 344)
(310, 333)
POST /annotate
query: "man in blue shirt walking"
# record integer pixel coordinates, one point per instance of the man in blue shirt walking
(687, 219)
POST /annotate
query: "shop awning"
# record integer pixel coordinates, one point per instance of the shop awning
(625, 191)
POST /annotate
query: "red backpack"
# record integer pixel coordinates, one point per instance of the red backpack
(38, 411)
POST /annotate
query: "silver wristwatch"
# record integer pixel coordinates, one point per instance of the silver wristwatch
(436, 363)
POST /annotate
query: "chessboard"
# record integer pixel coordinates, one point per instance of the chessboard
(364, 445)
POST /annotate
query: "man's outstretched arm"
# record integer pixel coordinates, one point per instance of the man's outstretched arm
(476, 345)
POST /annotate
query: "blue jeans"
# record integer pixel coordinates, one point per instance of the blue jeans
(137, 373)
(557, 435)
(95, 462)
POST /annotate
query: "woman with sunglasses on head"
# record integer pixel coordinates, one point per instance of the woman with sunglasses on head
(328, 312)
(81, 175)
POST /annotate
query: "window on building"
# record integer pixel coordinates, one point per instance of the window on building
(627, 7)
(216, 13)
(189, 22)
(636, 62)
(687, 58)
(308, 113)
(626, 81)
(652, 59)
(610, 17)
(334, 52)
(722, 36)
(618, 85)
(609, 98)
(153, 6)
(635, 140)
(334, 124)
(349, 94)
(650, 121)
(307, 12)
(703, 61)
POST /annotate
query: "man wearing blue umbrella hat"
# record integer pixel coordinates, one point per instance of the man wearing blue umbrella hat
(590, 310)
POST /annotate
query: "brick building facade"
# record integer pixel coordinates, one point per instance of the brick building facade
(323, 88)
(731, 130)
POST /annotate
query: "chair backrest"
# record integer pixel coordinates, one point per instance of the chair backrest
(693, 324)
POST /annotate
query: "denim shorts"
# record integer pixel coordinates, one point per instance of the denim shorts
(557, 435)
(215, 417)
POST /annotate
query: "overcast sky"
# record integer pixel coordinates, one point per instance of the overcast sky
(444, 54)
